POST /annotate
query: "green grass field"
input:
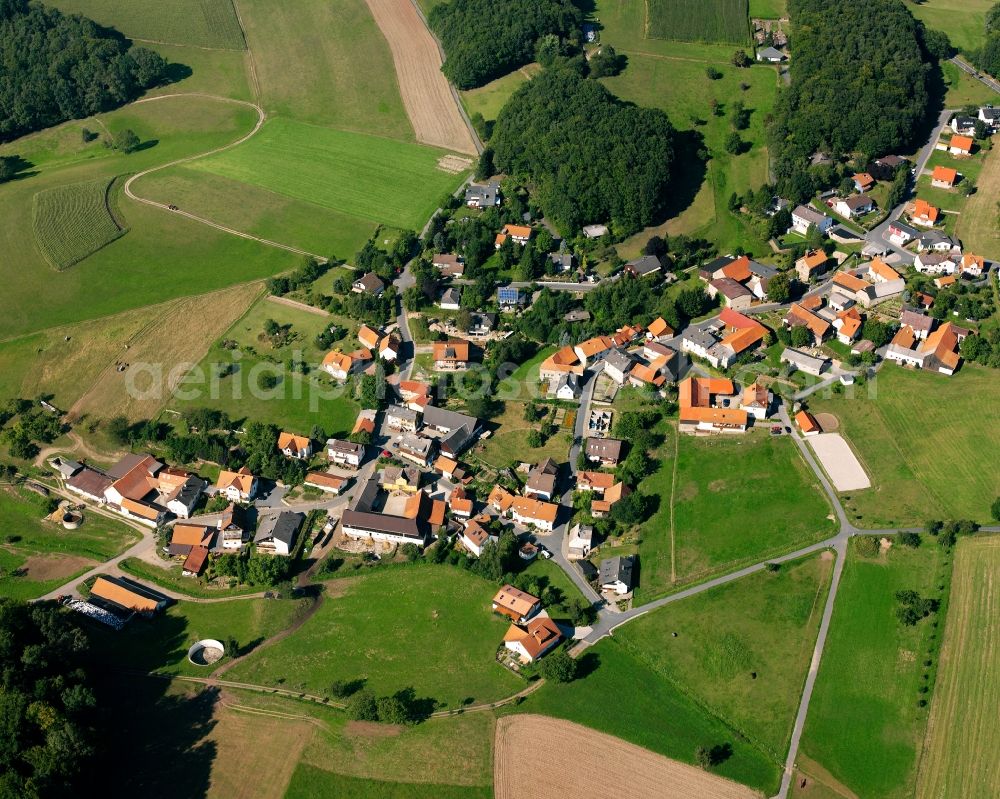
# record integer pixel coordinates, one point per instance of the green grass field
(309, 782)
(369, 177)
(202, 23)
(489, 99)
(739, 500)
(748, 665)
(864, 726)
(72, 222)
(621, 695)
(163, 256)
(250, 208)
(670, 75)
(768, 9)
(963, 20)
(698, 21)
(960, 750)
(159, 645)
(299, 401)
(50, 554)
(428, 628)
(927, 459)
(325, 63)
(509, 444)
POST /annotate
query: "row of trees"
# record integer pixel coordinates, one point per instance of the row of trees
(590, 156)
(484, 39)
(56, 67)
(860, 84)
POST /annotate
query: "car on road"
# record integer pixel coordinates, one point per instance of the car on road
(386, 453)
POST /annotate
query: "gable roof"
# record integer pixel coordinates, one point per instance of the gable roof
(797, 315)
(923, 209)
(944, 173)
(455, 349)
(883, 270)
(850, 282)
(293, 441)
(370, 282)
(962, 143)
(659, 328)
(536, 637)
(515, 600)
(127, 593)
(530, 508)
(807, 422)
(368, 336)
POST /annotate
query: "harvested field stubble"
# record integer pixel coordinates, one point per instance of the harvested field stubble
(613, 763)
(427, 97)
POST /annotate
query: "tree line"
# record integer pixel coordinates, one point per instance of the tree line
(590, 156)
(55, 67)
(860, 76)
(484, 39)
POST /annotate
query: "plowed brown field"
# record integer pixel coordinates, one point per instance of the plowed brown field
(603, 766)
(427, 97)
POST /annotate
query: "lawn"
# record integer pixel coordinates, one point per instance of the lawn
(160, 645)
(723, 21)
(622, 696)
(742, 499)
(963, 20)
(960, 750)
(428, 628)
(927, 459)
(963, 89)
(370, 177)
(864, 727)
(509, 443)
(298, 402)
(325, 63)
(72, 222)
(50, 554)
(748, 666)
(163, 256)
(203, 23)
(489, 99)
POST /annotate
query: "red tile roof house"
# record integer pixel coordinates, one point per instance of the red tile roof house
(238, 486)
(533, 640)
(293, 446)
(145, 490)
(517, 605)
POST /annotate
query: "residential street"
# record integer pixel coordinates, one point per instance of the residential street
(880, 233)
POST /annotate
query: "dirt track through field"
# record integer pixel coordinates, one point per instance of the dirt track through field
(428, 99)
(574, 762)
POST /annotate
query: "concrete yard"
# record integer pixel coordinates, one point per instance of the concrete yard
(841, 464)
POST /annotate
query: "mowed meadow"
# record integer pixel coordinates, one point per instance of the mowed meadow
(722, 21)
(163, 255)
(200, 23)
(963, 735)
(928, 459)
(366, 176)
(864, 730)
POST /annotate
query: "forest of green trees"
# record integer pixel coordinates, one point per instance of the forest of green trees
(988, 58)
(47, 705)
(55, 67)
(484, 39)
(859, 84)
(590, 156)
